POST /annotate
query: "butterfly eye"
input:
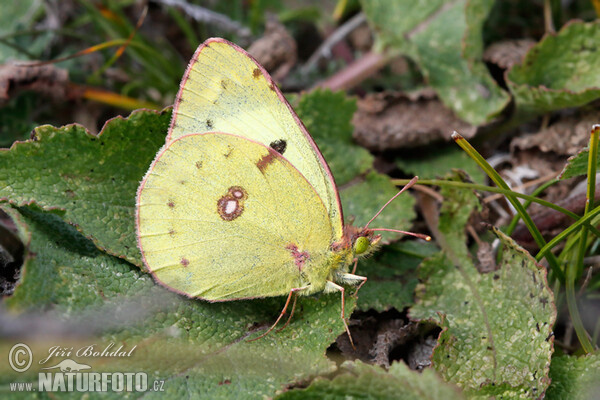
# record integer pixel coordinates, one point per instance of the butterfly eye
(361, 245)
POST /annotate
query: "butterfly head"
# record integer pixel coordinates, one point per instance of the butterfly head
(365, 242)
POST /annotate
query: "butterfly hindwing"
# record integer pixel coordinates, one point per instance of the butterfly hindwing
(222, 217)
(226, 90)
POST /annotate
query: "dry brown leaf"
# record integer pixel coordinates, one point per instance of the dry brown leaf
(276, 50)
(507, 53)
(565, 137)
(46, 79)
(398, 120)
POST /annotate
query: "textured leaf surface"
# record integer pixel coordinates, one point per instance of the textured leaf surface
(497, 327)
(92, 179)
(577, 165)
(363, 381)
(574, 378)
(198, 348)
(327, 117)
(392, 275)
(434, 34)
(560, 71)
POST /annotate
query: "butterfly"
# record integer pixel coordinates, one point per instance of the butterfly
(240, 203)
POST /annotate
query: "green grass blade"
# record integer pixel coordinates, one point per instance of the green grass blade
(497, 179)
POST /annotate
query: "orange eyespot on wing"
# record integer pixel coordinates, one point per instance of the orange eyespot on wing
(231, 205)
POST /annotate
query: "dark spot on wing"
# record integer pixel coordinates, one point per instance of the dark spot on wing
(171, 204)
(185, 262)
(256, 73)
(209, 124)
(279, 146)
(198, 164)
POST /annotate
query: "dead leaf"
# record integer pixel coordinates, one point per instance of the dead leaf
(46, 79)
(391, 120)
(565, 137)
(276, 50)
(508, 52)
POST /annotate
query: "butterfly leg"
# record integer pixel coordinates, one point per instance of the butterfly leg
(364, 280)
(287, 303)
(291, 314)
(330, 287)
(355, 265)
(351, 279)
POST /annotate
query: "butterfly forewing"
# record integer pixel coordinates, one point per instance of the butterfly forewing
(225, 90)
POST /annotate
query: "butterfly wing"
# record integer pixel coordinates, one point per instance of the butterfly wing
(222, 218)
(224, 89)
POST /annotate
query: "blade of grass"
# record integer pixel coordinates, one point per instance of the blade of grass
(493, 189)
(115, 99)
(113, 24)
(574, 270)
(497, 179)
(185, 26)
(513, 223)
(121, 50)
(568, 231)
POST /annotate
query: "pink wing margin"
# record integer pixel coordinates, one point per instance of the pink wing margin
(303, 129)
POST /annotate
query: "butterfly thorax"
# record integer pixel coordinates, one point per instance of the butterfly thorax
(316, 268)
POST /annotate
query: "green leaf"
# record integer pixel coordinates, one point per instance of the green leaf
(577, 165)
(560, 71)
(327, 116)
(476, 13)
(440, 161)
(363, 381)
(497, 326)
(574, 378)
(455, 213)
(198, 348)
(362, 200)
(91, 179)
(392, 22)
(435, 34)
(392, 275)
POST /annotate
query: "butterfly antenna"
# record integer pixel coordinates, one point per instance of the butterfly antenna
(419, 235)
(407, 186)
